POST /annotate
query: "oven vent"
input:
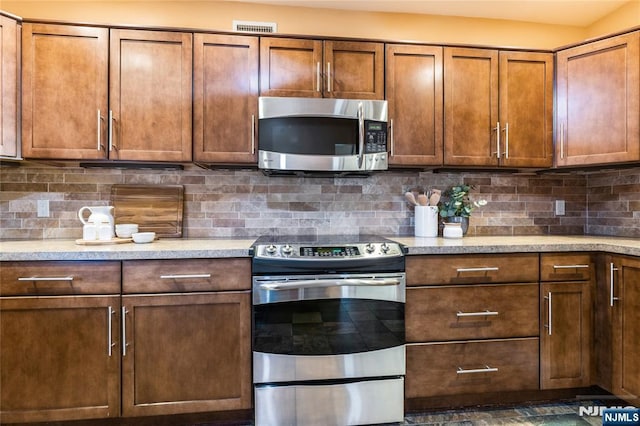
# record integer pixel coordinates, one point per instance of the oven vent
(255, 27)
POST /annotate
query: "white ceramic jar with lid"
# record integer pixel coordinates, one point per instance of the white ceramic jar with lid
(452, 230)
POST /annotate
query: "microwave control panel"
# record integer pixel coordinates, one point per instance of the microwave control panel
(375, 136)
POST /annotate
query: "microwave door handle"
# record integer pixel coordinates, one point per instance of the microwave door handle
(360, 136)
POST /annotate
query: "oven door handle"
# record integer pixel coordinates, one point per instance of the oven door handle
(292, 285)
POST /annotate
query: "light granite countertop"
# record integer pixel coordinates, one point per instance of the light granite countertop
(216, 248)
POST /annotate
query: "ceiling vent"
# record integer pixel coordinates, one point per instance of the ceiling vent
(255, 27)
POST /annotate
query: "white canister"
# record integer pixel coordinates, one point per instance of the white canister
(89, 232)
(105, 231)
(426, 224)
(452, 230)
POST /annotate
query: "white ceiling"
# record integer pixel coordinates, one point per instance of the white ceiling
(580, 13)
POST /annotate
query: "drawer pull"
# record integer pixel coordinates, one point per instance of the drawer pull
(481, 269)
(486, 369)
(45, 279)
(477, 314)
(186, 276)
(570, 266)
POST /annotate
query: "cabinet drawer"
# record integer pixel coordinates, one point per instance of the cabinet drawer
(190, 275)
(566, 267)
(471, 269)
(437, 369)
(59, 277)
(472, 312)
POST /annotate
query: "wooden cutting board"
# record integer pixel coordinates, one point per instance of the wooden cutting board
(156, 208)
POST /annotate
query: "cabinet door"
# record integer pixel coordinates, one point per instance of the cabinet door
(64, 91)
(526, 109)
(9, 76)
(59, 358)
(150, 95)
(598, 102)
(413, 77)
(290, 67)
(354, 70)
(626, 328)
(225, 98)
(186, 353)
(565, 335)
(470, 107)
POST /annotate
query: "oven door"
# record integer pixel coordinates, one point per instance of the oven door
(328, 327)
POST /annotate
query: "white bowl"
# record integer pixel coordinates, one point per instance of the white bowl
(125, 230)
(143, 237)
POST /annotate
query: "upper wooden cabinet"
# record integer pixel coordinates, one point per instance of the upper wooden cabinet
(150, 95)
(225, 104)
(413, 84)
(9, 87)
(498, 108)
(315, 68)
(64, 91)
(598, 91)
(65, 110)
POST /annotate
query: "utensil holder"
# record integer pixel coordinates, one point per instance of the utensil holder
(426, 221)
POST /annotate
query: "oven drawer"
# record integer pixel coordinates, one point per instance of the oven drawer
(471, 269)
(437, 369)
(59, 277)
(471, 312)
(185, 275)
(354, 403)
(566, 267)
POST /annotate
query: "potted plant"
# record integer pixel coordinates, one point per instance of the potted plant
(457, 206)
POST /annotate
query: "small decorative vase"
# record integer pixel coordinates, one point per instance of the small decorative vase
(462, 220)
(452, 230)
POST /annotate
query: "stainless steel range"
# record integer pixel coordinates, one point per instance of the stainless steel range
(328, 330)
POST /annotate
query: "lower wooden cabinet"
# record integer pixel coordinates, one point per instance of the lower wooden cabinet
(471, 367)
(565, 335)
(58, 359)
(186, 353)
(625, 309)
(566, 324)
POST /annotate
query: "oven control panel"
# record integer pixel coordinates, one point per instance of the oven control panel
(319, 252)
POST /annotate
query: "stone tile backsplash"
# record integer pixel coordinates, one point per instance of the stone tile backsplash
(245, 203)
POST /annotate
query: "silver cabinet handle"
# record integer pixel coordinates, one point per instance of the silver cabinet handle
(329, 77)
(506, 141)
(497, 129)
(548, 325)
(318, 77)
(253, 134)
(481, 269)
(70, 278)
(562, 140)
(570, 266)
(391, 137)
(477, 314)
(110, 130)
(110, 344)
(486, 369)
(292, 285)
(612, 270)
(177, 277)
(99, 131)
(360, 135)
(124, 331)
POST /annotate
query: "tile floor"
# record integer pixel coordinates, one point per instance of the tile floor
(556, 414)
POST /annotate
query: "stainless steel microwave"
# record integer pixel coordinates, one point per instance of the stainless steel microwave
(322, 135)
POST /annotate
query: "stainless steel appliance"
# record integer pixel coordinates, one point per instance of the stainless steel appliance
(328, 331)
(322, 135)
